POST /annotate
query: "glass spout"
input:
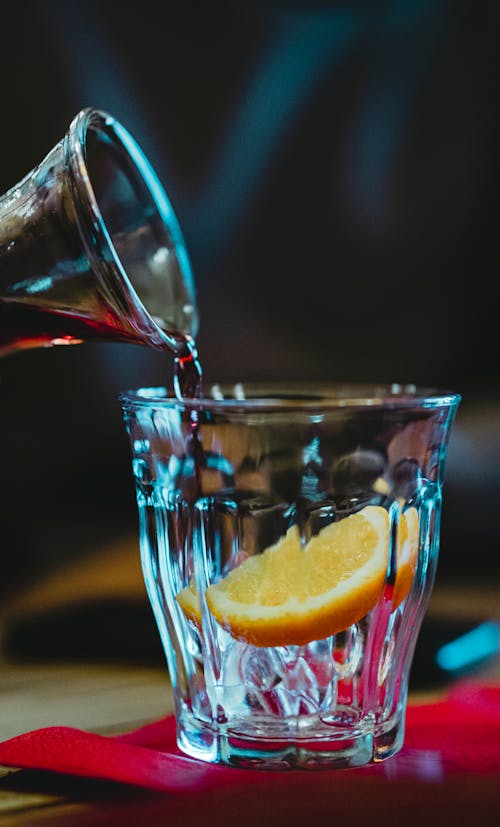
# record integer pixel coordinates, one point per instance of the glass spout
(90, 247)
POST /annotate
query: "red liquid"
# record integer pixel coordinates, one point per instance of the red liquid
(23, 327)
(188, 385)
(26, 327)
(188, 373)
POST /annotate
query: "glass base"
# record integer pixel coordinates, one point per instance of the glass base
(317, 746)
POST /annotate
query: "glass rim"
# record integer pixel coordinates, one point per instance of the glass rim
(307, 397)
(94, 228)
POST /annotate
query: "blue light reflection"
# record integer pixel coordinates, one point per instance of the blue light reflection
(469, 649)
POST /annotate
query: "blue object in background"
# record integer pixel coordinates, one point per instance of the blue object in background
(470, 649)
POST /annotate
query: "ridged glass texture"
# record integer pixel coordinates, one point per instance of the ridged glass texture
(217, 481)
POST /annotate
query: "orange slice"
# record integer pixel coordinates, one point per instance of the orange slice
(292, 594)
(189, 603)
(407, 555)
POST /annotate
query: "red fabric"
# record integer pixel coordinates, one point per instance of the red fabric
(453, 738)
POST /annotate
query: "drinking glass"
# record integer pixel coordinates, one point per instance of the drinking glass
(289, 539)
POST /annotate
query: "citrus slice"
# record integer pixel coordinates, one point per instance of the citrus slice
(189, 603)
(293, 594)
(407, 555)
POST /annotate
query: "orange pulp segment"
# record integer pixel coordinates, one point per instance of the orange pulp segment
(407, 555)
(293, 594)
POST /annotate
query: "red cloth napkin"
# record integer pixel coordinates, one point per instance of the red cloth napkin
(454, 737)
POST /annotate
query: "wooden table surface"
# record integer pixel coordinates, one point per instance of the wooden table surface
(112, 697)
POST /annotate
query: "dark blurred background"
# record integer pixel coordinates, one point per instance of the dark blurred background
(335, 170)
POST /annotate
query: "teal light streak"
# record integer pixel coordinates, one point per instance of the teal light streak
(469, 649)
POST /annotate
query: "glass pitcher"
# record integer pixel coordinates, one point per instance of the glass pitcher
(90, 248)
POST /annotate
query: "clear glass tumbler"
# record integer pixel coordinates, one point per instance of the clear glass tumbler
(289, 540)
